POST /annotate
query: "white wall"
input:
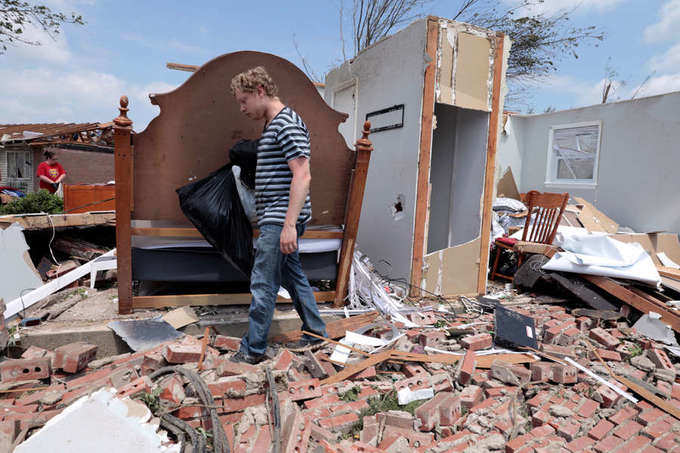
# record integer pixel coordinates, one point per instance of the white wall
(639, 159)
(389, 73)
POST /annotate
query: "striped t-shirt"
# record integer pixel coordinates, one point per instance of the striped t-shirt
(285, 138)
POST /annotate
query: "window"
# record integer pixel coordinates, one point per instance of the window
(573, 154)
(20, 170)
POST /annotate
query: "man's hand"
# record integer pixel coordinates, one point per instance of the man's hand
(288, 239)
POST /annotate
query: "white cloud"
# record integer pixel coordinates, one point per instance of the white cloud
(584, 92)
(52, 49)
(550, 7)
(668, 61)
(668, 25)
(659, 85)
(51, 95)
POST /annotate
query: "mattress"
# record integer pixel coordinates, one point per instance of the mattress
(195, 260)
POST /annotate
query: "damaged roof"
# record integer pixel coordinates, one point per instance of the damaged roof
(32, 131)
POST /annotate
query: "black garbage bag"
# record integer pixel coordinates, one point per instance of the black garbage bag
(244, 154)
(212, 204)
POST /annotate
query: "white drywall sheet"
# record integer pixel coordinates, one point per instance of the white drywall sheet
(17, 274)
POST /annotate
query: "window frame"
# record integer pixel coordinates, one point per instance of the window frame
(551, 164)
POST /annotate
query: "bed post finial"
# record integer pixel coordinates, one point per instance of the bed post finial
(122, 121)
(363, 147)
(122, 131)
(364, 142)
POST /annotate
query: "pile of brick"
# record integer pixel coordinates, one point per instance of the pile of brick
(477, 405)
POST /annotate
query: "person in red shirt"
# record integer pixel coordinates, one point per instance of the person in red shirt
(50, 172)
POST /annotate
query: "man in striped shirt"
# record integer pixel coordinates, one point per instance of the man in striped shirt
(282, 180)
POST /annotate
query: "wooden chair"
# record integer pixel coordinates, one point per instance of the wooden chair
(541, 227)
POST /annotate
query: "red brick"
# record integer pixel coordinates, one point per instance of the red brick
(627, 429)
(558, 351)
(514, 445)
(649, 416)
(477, 342)
(429, 414)
(660, 359)
(186, 351)
(667, 441)
(467, 368)
(607, 445)
(283, 360)
(34, 352)
(605, 338)
(411, 370)
(172, 389)
(587, 408)
(540, 371)
(339, 422)
(563, 374)
(600, 430)
(304, 390)
(153, 361)
(471, 396)
(228, 368)
(73, 357)
(539, 399)
(606, 354)
(431, 338)
(675, 391)
(365, 374)
(657, 429)
(227, 343)
(24, 369)
(240, 404)
(231, 387)
(636, 443)
(139, 385)
(623, 414)
(580, 444)
(568, 429)
(609, 396)
(322, 401)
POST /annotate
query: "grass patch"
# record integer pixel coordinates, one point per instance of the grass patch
(384, 403)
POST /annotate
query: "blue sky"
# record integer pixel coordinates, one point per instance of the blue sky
(124, 46)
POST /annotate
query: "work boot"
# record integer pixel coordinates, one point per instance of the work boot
(243, 357)
(304, 344)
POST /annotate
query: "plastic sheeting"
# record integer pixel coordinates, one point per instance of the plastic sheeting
(598, 254)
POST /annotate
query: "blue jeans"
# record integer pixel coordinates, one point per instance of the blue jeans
(273, 269)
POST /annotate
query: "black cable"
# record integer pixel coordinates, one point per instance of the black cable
(220, 443)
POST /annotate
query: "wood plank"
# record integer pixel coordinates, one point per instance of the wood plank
(181, 300)
(335, 329)
(671, 283)
(490, 172)
(649, 396)
(424, 159)
(364, 148)
(669, 272)
(190, 232)
(44, 221)
(123, 168)
(595, 220)
(358, 368)
(634, 300)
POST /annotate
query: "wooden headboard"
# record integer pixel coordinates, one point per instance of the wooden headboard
(190, 138)
(200, 121)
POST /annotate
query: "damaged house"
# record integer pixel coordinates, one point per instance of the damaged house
(433, 93)
(83, 149)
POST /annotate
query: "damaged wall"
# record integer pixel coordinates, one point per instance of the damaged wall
(389, 73)
(638, 161)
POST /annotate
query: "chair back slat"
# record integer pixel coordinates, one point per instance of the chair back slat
(544, 214)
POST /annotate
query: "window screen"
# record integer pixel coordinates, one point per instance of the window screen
(574, 152)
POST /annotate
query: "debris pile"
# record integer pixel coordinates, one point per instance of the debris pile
(444, 385)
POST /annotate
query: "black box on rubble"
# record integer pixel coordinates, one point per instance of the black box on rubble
(514, 329)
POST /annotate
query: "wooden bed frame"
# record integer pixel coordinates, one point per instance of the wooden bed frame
(197, 124)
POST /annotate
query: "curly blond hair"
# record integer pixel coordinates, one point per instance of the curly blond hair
(250, 80)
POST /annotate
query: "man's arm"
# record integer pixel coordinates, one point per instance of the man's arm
(299, 188)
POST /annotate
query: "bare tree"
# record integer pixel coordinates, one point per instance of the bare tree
(373, 20)
(15, 15)
(540, 41)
